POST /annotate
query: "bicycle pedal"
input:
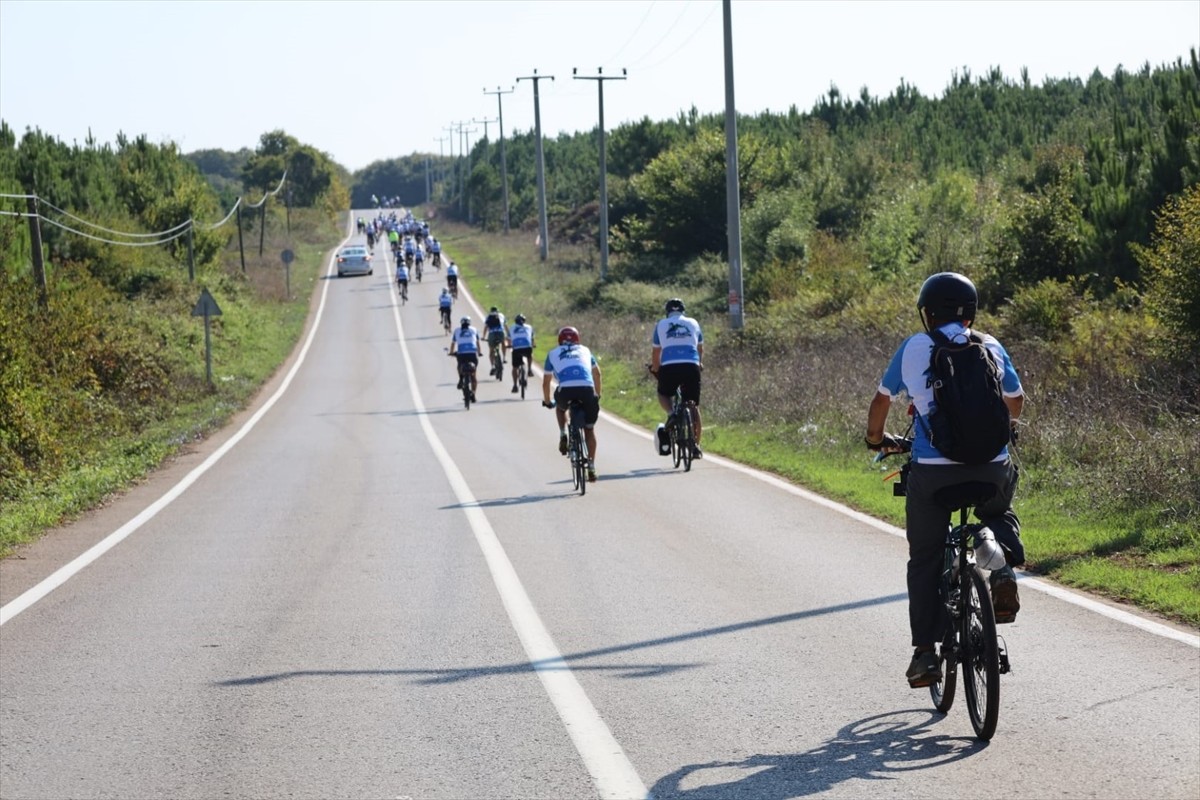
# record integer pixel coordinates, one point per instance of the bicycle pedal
(1002, 648)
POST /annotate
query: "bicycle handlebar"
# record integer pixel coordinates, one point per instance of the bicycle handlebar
(893, 445)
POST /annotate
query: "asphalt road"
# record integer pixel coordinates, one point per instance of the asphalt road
(371, 592)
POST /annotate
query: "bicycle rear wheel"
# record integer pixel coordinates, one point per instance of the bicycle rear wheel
(980, 657)
(689, 438)
(942, 692)
(579, 454)
(521, 380)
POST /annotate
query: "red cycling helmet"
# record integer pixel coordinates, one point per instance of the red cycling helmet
(568, 334)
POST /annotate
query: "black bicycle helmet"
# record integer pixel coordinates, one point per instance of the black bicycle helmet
(519, 319)
(465, 322)
(948, 296)
(673, 305)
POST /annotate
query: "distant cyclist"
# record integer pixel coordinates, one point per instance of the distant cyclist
(465, 345)
(452, 278)
(444, 303)
(520, 338)
(496, 331)
(676, 361)
(402, 279)
(578, 377)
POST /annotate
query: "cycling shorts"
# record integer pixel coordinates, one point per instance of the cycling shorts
(586, 394)
(523, 353)
(467, 359)
(452, 280)
(685, 376)
(495, 337)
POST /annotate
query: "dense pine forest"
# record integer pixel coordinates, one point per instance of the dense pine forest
(1073, 204)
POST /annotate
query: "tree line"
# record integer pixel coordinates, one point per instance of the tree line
(1012, 182)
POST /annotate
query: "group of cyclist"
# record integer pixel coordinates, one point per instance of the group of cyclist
(948, 303)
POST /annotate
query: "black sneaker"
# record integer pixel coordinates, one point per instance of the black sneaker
(562, 443)
(924, 669)
(1005, 599)
(515, 390)
(697, 452)
(591, 472)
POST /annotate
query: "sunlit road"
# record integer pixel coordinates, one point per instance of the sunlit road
(375, 593)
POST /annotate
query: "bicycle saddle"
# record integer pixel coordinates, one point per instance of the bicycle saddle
(964, 495)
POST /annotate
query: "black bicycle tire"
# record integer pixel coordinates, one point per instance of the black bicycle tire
(981, 657)
(688, 437)
(521, 379)
(575, 416)
(942, 692)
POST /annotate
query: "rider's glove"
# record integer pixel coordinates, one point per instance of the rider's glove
(888, 442)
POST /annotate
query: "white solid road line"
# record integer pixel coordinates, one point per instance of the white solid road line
(1054, 590)
(610, 768)
(69, 570)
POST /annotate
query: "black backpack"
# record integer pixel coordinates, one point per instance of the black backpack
(968, 422)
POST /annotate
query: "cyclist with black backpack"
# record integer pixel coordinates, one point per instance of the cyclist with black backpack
(965, 397)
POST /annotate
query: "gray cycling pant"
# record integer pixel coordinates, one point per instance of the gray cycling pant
(927, 524)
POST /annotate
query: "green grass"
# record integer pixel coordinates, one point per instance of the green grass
(259, 328)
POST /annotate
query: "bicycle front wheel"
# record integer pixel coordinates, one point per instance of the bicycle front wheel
(980, 656)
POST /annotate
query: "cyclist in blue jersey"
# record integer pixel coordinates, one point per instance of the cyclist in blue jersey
(465, 345)
(495, 330)
(578, 377)
(676, 361)
(520, 339)
(445, 301)
(948, 302)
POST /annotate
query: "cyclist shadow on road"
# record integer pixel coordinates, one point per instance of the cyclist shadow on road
(500, 502)
(875, 748)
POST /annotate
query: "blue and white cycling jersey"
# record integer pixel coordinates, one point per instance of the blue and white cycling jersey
(452, 270)
(466, 341)
(908, 373)
(680, 339)
(521, 336)
(445, 301)
(401, 272)
(571, 365)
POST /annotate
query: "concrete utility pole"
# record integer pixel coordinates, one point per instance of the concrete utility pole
(487, 142)
(453, 164)
(463, 152)
(441, 170)
(543, 233)
(733, 203)
(503, 159)
(600, 78)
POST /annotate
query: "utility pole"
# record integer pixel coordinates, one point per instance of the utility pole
(462, 152)
(600, 78)
(543, 233)
(450, 131)
(35, 240)
(441, 157)
(486, 156)
(503, 160)
(733, 203)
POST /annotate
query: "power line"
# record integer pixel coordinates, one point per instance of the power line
(663, 38)
(632, 36)
(691, 36)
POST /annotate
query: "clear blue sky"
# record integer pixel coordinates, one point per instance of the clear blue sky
(366, 81)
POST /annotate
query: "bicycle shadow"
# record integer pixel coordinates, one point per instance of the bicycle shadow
(874, 748)
(502, 502)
